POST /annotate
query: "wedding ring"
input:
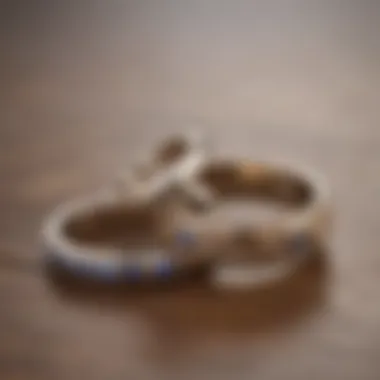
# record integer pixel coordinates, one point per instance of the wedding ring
(287, 242)
(73, 234)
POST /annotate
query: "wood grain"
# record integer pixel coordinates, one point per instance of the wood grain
(86, 84)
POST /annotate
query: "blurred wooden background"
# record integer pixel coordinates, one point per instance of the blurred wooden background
(86, 84)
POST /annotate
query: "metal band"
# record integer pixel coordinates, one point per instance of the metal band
(114, 264)
(293, 238)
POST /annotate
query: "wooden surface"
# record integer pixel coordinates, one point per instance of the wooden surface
(84, 85)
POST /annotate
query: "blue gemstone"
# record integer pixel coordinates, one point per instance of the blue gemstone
(107, 272)
(164, 269)
(132, 272)
(81, 269)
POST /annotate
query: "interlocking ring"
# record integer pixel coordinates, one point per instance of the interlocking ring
(173, 198)
(73, 234)
(284, 243)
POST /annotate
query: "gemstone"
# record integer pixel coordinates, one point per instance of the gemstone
(164, 268)
(132, 272)
(107, 272)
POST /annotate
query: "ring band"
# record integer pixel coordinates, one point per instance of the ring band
(291, 239)
(142, 199)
